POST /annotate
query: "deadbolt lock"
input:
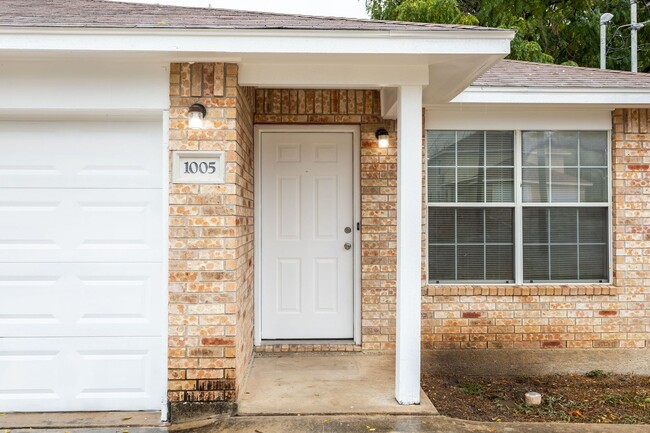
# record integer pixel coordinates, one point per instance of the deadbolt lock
(348, 230)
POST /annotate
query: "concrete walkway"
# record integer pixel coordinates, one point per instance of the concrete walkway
(325, 384)
(355, 424)
(403, 424)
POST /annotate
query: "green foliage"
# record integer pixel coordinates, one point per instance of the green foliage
(434, 11)
(596, 373)
(471, 388)
(550, 31)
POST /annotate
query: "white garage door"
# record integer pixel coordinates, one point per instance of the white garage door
(82, 296)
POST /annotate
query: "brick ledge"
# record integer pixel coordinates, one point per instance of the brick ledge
(525, 290)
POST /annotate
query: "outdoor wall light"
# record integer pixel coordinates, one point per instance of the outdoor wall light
(382, 137)
(196, 114)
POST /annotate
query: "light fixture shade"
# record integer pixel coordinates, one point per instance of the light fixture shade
(606, 17)
(382, 137)
(195, 115)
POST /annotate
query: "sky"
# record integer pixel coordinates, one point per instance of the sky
(339, 8)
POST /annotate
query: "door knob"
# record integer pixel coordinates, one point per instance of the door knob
(347, 245)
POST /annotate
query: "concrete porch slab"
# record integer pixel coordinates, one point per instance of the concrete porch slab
(325, 384)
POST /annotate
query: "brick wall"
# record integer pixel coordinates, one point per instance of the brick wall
(211, 240)
(211, 245)
(378, 195)
(578, 316)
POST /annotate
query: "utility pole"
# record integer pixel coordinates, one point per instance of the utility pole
(604, 19)
(633, 35)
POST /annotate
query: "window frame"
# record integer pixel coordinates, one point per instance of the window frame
(518, 207)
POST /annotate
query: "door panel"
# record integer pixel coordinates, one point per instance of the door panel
(307, 203)
(80, 225)
(82, 290)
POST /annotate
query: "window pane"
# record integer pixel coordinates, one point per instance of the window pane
(441, 148)
(564, 262)
(442, 226)
(577, 245)
(535, 188)
(442, 263)
(564, 185)
(470, 148)
(500, 185)
(564, 149)
(471, 262)
(470, 226)
(593, 148)
(535, 147)
(593, 185)
(463, 240)
(442, 184)
(499, 262)
(499, 146)
(470, 185)
(535, 225)
(498, 225)
(564, 224)
(593, 225)
(457, 164)
(536, 263)
(594, 262)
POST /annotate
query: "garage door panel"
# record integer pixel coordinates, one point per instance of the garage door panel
(67, 154)
(109, 373)
(63, 225)
(88, 299)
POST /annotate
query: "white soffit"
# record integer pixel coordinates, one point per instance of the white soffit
(618, 97)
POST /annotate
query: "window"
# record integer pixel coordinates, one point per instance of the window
(559, 212)
(471, 199)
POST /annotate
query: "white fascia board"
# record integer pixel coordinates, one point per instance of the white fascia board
(334, 74)
(180, 41)
(558, 95)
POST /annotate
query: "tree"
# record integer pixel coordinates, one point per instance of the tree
(549, 31)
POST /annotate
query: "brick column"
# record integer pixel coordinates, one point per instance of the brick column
(211, 241)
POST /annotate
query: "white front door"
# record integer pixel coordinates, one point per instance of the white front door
(307, 226)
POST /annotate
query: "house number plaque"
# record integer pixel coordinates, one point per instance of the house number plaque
(198, 167)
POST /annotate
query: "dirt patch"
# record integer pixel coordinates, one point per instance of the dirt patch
(596, 397)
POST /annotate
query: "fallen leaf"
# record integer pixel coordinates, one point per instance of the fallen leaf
(127, 418)
(258, 431)
(576, 413)
(326, 421)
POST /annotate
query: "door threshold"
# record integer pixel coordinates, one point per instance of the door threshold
(307, 342)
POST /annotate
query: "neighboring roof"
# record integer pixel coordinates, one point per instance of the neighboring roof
(108, 14)
(512, 73)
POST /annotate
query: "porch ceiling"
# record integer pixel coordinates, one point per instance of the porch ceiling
(443, 76)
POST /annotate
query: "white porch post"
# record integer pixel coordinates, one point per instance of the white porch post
(409, 243)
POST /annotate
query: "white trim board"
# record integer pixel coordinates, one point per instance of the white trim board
(356, 161)
(256, 41)
(486, 117)
(554, 95)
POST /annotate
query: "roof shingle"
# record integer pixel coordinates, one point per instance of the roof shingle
(513, 73)
(108, 14)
